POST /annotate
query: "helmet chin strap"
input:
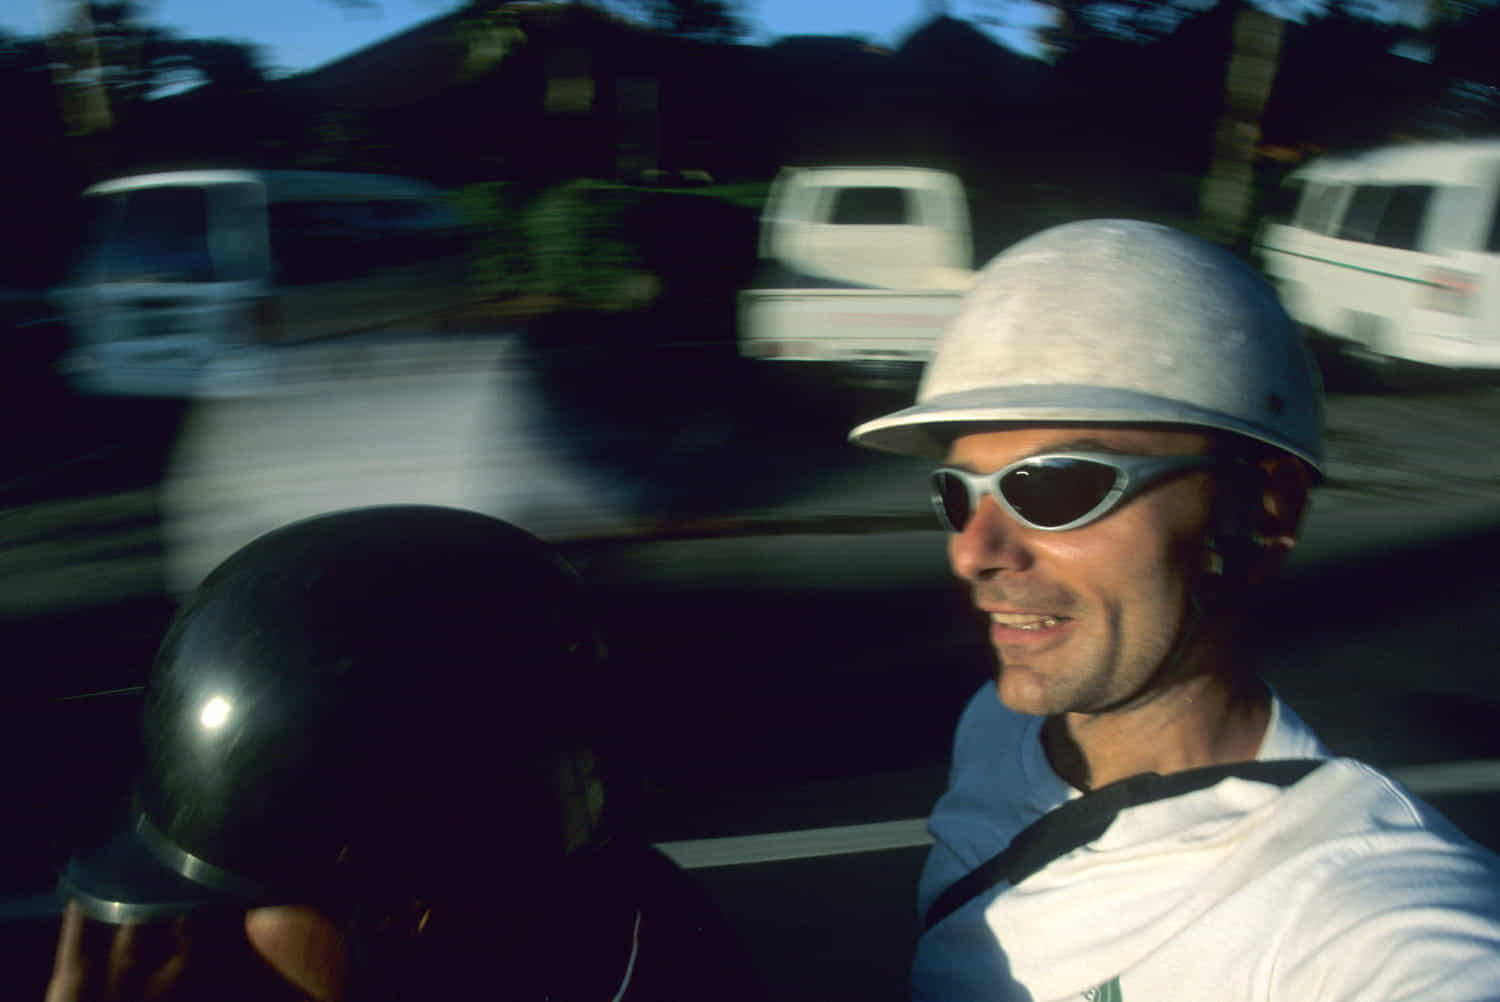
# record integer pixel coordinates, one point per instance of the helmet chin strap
(1207, 591)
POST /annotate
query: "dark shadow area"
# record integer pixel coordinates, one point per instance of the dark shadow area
(814, 951)
(1343, 373)
(63, 445)
(32, 340)
(76, 758)
(67, 767)
(1386, 652)
(660, 401)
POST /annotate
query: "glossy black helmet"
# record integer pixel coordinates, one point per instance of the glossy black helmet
(389, 698)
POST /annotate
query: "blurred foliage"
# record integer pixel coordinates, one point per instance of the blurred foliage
(1339, 85)
(107, 61)
(87, 102)
(704, 20)
(499, 256)
(1465, 37)
(580, 248)
(487, 35)
(749, 195)
(599, 245)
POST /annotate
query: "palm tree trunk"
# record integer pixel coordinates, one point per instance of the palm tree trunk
(1227, 194)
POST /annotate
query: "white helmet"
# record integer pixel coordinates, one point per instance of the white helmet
(1115, 321)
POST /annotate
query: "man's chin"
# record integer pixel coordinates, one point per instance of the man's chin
(1022, 692)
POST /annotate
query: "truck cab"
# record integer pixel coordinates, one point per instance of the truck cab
(889, 227)
(861, 269)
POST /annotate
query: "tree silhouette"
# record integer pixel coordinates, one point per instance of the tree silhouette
(107, 61)
(703, 20)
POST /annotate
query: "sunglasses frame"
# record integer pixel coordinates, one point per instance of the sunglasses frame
(1133, 474)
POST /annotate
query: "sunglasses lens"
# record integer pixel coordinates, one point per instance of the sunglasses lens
(950, 496)
(1054, 492)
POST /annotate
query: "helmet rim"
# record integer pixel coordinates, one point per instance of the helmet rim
(926, 429)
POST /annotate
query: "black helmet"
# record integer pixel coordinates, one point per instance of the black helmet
(392, 699)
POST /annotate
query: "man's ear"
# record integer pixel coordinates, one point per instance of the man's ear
(1284, 484)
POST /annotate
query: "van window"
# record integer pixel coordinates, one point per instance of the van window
(418, 230)
(1387, 215)
(237, 241)
(336, 240)
(1365, 209)
(155, 234)
(1401, 224)
(870, 207)
(1280, 205)
(1318, 206)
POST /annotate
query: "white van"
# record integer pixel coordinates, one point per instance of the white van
(180, 272)
(1394, 254)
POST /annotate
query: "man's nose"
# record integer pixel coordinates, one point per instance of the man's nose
(991, 542)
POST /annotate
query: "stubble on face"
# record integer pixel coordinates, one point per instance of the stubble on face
(1107, 651)
(1080, 620)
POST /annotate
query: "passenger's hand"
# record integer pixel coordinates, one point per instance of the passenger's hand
(283, 953)
(127, 963)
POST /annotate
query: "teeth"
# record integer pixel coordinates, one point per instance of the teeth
(1016, 622)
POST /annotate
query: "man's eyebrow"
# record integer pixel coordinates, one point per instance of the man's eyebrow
(1083, 444)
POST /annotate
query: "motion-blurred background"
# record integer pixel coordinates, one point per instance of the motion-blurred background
(508, 256)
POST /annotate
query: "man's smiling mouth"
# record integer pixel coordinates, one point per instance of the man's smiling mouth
(1024, 620)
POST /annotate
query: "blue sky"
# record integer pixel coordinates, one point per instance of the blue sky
(300, 34)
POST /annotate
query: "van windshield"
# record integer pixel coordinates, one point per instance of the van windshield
(148, 235)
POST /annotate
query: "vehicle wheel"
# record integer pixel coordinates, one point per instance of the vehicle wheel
(1391, 372)
(1369, 348)
(1387, 373)
(1338, 371)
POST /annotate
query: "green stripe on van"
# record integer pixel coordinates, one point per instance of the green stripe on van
(1351, 267)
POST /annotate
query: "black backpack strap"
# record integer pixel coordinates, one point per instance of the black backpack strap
(1082, 820)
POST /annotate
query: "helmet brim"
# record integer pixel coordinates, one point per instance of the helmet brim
(133, 878)
(927, 429)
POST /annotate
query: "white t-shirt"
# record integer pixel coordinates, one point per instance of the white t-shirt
(1344, 886)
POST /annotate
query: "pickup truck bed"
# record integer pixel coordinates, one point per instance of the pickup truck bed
(843, 325)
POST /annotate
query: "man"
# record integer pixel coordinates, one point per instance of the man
(1128, 427)
(375, 768)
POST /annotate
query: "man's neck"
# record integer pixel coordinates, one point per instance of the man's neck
(1202, 720)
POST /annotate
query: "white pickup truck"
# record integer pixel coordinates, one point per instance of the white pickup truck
(860, 266)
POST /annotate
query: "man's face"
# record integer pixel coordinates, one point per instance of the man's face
(1081, 619)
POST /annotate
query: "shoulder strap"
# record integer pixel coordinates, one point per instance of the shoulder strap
(1084, 819)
